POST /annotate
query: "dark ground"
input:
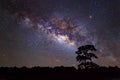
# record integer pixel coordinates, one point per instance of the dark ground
(59, 73)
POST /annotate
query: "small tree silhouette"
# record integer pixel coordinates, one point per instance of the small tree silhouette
(85, 56)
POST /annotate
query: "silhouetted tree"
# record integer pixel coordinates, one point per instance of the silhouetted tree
(85, 56)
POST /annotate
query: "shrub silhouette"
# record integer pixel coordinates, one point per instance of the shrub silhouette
(85, 56)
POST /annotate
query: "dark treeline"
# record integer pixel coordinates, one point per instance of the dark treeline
(59, 73)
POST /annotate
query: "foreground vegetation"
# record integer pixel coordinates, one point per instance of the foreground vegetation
(59, 73)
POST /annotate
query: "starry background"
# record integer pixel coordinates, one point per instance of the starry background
(48, 32)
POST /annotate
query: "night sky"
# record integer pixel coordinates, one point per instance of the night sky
(48, 32)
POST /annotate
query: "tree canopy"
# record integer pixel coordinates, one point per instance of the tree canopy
(85, 55)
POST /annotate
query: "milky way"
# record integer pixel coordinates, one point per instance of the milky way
(47, 32)
(60, 28)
